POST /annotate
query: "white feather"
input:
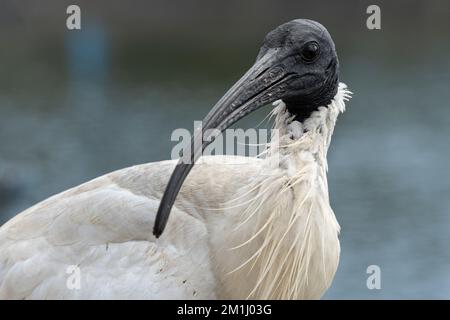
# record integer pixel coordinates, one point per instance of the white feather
(240, 228)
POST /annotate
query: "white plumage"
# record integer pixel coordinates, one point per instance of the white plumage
(261, 231)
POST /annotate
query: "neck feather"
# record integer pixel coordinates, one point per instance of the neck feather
(320, 123)
(287, 234)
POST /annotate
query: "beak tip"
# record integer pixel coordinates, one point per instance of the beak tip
(157, 232)
(159, 226)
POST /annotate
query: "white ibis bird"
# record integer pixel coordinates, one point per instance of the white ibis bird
(240, 227)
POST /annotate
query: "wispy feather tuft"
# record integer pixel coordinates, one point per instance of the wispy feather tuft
(291, 230)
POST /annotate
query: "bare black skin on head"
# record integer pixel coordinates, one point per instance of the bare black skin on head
(316, 81)
(296, 63)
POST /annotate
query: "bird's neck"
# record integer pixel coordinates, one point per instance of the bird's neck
(308, 131)
(283, 240)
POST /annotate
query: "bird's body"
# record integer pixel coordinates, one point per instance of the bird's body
(258, 228)
(104, 228)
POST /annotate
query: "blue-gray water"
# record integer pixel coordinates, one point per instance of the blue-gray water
(388, 164)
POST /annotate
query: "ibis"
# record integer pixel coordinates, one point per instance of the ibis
(228, 227)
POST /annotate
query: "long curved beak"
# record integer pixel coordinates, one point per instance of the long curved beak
(265, 82)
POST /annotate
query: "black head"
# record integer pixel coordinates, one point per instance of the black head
(297, 63)
(305, 49)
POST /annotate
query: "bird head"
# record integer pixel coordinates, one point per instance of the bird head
(303, 51)
(296, 63)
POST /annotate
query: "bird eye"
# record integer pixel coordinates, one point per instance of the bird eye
(310, 51)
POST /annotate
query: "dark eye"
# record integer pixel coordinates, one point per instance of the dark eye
(310, 51)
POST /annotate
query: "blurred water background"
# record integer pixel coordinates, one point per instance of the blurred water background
(77, 104)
